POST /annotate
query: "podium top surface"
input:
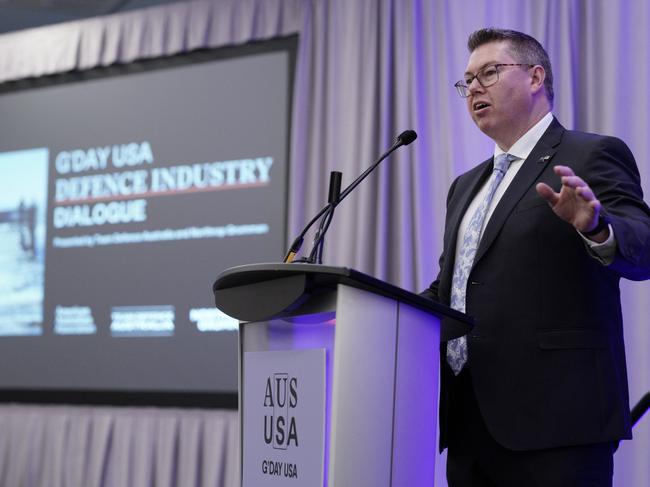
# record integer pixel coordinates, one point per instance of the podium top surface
(284, 283)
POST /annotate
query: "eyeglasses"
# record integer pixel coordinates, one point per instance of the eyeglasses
(487, 76)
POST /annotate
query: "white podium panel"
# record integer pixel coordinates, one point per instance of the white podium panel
(375, 361)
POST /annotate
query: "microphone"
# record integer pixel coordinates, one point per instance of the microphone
(405, 138)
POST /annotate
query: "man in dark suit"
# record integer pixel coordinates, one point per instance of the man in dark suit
(536, 240)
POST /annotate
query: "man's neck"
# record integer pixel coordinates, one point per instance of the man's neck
(508, 141)
(524, 145)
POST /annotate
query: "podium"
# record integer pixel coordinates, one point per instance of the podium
(338, 376)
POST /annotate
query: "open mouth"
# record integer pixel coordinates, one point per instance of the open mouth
(480, 105)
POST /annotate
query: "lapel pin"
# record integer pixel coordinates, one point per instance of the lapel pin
(544, 158)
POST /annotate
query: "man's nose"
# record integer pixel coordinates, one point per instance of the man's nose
(475, 86)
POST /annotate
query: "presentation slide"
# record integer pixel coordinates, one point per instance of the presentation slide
(122, 197)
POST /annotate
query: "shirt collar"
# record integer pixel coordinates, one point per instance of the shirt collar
(525, 144)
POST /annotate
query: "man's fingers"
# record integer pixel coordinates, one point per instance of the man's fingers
(569, 179)
(585, 193)
(563, 171)
(570, 184)
(573, 181)
(546, 192)
(595, 205)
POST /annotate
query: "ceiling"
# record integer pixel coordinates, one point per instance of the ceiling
(23, 14)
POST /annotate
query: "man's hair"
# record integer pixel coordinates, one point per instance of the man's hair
(524, 49)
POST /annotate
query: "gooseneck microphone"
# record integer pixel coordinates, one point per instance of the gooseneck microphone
(405, 138)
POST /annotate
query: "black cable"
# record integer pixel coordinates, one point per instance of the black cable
(640, 408)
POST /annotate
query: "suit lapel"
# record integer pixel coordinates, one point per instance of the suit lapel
(466, 190)
(532, 167)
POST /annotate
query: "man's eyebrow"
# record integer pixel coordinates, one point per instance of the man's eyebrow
(483, 66)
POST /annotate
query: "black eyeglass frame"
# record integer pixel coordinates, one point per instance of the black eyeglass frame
(462, 86)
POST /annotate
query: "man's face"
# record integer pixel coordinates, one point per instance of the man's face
(502, 111)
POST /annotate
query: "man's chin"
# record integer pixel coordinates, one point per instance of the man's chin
(484, 125)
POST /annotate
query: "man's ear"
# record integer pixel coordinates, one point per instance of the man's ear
(537, 78)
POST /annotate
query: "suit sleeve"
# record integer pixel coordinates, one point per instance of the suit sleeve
(613, 175)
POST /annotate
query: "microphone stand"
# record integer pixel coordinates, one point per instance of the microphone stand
(334, 196)
(405, 138)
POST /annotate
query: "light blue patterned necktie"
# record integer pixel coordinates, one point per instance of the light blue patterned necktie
(457, 348)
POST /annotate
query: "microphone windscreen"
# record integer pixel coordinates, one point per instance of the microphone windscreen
(407, 137)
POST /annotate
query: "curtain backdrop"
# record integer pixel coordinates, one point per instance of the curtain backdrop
(368, 69)
(65, 446)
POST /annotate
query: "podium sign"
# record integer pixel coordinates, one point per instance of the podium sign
(283, 418)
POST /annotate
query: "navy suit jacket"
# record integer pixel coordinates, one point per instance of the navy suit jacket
(546, 354)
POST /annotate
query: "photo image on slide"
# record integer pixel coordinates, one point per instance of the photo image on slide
(23, 211)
